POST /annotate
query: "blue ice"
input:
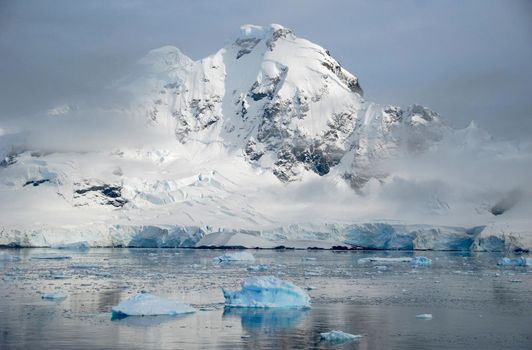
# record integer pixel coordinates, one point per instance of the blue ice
(265, 292)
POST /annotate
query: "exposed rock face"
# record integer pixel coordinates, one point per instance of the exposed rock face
(103, 194)
(272, 93)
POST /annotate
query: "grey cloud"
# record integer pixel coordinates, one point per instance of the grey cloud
(466, 60)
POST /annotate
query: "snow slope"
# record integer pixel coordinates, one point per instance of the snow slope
(270, 137)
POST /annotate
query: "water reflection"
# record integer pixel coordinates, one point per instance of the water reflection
(476, 304)
(255, 319)
(146, 321)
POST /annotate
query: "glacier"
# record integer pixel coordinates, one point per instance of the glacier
(145, 304)
(267, 292)
(267, 142)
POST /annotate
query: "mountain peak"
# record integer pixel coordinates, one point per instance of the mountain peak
(165, 58)
(255, 31)
(285, 103)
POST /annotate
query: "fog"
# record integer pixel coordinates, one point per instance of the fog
(466, 60)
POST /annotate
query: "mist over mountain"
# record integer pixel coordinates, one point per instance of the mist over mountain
(270, 135)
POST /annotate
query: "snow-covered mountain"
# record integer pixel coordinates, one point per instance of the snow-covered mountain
(271, 136)
(286, 102)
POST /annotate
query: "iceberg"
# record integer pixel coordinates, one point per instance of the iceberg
(515, 262)
(266, 292)
(53, 296)
(257, 268)
(338, 337)
(150, 305)
(424, 316)
(8, 257)
(235, 256)
(421, 261)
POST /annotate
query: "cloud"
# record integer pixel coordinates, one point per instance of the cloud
(432, 53)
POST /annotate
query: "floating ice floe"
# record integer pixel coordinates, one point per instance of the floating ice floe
(8, 257)
(338, 337)
(51, 257)
(384, 260)
(235, 256)
(257, 268)
(515, 262)
(424, 316)
(150, 305)
(101, 274)
(83, 245)
(421, 261)
(59, 276)
(83, 266)
(265, 292)
(53, 296)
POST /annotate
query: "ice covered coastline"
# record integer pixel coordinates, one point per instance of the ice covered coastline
(374, 235)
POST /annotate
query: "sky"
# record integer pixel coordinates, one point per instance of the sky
(467, 60)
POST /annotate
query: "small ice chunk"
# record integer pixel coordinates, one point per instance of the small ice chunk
(101, 274)
(257, 268)
(51, 257)
(8, 257)
(338, 337)
(83, 245)
(235, 256)
(265, 292)
(309, 258)
(421, 261)
(515, 262)
(424, 316)
(83, 266)
(384, 260)
(53, 296)
(150, 305)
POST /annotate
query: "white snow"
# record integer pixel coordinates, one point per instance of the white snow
(235, 256)
(338, 337)
(150, 305)
(267, 292)
(199, 148)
